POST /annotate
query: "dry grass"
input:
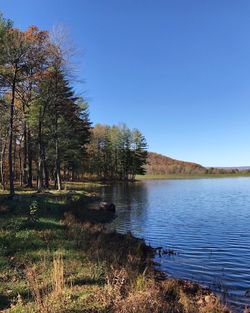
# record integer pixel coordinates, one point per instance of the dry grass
(35, 290)
(46, 293)
(58, 283)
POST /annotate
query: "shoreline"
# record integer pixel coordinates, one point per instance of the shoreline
(118, 273)
(189, 176)
(204, 298)
(76, 186)
(204, 295)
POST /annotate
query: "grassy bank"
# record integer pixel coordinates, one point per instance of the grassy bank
(190, 176)
(52, 262)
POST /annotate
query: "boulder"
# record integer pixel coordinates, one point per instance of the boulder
(3, 209)
(107, 206)
(246, 310)
(210, 299)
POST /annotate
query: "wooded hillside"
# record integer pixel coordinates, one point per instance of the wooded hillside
(158, 164)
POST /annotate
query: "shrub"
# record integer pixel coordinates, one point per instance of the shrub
(33, 212)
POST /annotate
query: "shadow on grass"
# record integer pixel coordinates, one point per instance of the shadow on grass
(42, 225)
(81, 311)
(93, 216)
(47, 204)
(88, 281)
(4, 301)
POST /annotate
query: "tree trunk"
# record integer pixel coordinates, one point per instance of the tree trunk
(46, 173)
(2, 165)
(58, 170)
(57, 160)
(11, 173)
(40, 157)
(25, 148)
(21, 169)
(29, 160)
(14, 156)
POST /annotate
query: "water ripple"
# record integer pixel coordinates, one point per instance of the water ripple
(206, 221)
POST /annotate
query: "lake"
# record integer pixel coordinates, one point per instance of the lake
(205, 221)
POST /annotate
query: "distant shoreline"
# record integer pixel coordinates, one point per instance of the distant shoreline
(190, 176)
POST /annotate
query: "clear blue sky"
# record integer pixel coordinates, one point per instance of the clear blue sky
(177, 70)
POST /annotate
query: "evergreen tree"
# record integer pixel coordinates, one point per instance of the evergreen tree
(116, 152)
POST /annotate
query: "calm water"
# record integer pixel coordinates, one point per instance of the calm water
(206, 221)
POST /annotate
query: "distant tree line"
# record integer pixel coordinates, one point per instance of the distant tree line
(45, 131)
